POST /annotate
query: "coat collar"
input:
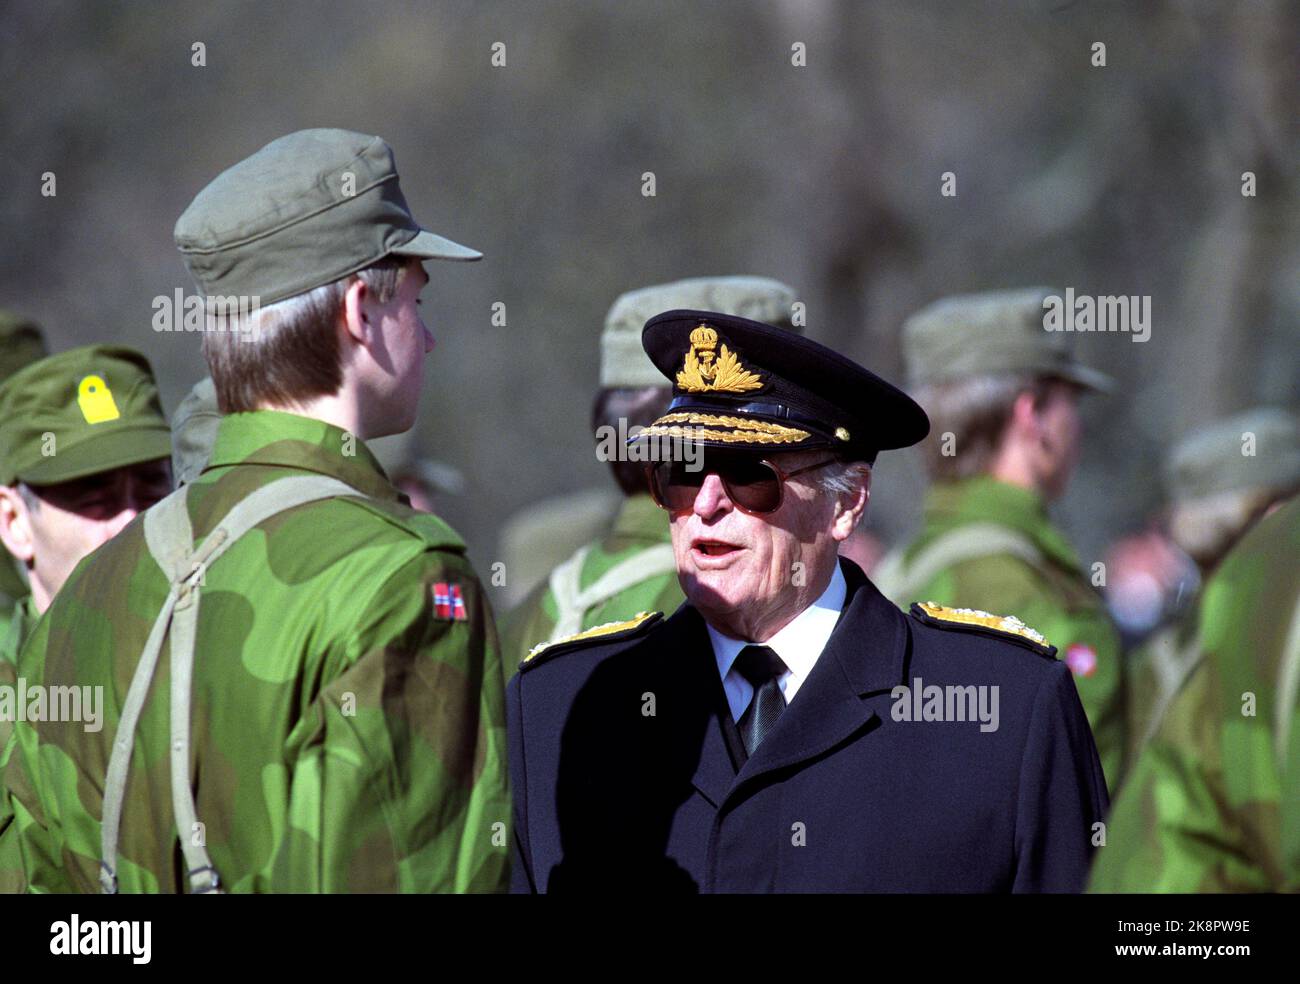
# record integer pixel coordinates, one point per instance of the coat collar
(867, 654)
(694, 675)
(286, 440)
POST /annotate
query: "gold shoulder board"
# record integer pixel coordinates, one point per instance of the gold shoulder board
(986, 620)
(595, 632)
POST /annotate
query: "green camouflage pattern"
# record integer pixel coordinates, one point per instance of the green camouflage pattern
(1213, 802)
(11, 643)
(12, 591)
(345, 737)
(1054, 596)
(638, 525)
(15, 633)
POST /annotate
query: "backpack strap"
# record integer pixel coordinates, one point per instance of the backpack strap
(1288, 688)
(899, 580)
(170, 539)
(574, 603)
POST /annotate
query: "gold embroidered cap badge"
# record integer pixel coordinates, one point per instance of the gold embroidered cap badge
(705, 370)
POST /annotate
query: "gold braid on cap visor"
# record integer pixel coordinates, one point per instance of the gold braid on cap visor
(744, 429)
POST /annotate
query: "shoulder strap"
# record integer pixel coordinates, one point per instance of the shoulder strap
(1172, 661)
(170, 539)
(1288, 688)
(564, 582)
(574, 603)
(899, 581)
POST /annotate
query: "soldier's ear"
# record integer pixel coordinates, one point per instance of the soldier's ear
(16, 525)
(356, 318)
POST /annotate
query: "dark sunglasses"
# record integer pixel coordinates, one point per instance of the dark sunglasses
(754, 485)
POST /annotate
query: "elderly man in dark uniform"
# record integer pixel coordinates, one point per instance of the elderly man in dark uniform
(788, 729)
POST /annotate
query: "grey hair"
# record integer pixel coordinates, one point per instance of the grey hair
(843, 477)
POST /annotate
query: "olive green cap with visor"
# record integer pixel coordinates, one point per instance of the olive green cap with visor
(306, 210)
(989, 333)
(78, 413)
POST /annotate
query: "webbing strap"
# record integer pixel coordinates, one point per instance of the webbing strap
(1171, 665)
(899, 581)
(171, 543)
(565, 588)
(573, 604)
(1288, 687)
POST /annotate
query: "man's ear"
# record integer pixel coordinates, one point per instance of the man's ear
(16, 525)
(1025, 420)
(356, 320)
(850, 507)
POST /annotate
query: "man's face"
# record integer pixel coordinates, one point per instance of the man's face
(72, 519)
(750, 574)
(402, 341)
(1061, 438)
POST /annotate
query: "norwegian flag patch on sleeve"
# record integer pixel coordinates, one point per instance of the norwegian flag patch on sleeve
(449, 603)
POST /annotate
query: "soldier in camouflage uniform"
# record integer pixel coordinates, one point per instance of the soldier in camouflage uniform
(1220, 479)
(1002, 395)
(84, 448)
(630, 569)
(1213, 802)
(21, 343)
(329, 717)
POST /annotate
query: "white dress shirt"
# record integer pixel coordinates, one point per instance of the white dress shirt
(798, 644)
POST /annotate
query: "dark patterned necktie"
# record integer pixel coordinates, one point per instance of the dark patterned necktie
(762, 668)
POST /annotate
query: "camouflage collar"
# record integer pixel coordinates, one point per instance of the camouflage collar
(20, 627)
(286, 440)
(985, 499)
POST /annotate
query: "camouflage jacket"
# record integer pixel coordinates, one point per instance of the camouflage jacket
(1213, 801)
(1037, 577)
(13, 589)
(11, 641)
(348, 724)
(639, 527)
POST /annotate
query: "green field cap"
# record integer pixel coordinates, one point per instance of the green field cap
(79, 413)
(1258, 449)
(305, 210)
(21, 343)
(623, 361)
(991, 333)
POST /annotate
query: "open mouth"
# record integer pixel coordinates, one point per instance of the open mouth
(714, 548)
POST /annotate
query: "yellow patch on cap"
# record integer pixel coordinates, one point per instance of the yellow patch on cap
(700, 373)
(974, 616)
(96, 400)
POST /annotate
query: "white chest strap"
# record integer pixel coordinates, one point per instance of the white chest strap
(574, 602)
